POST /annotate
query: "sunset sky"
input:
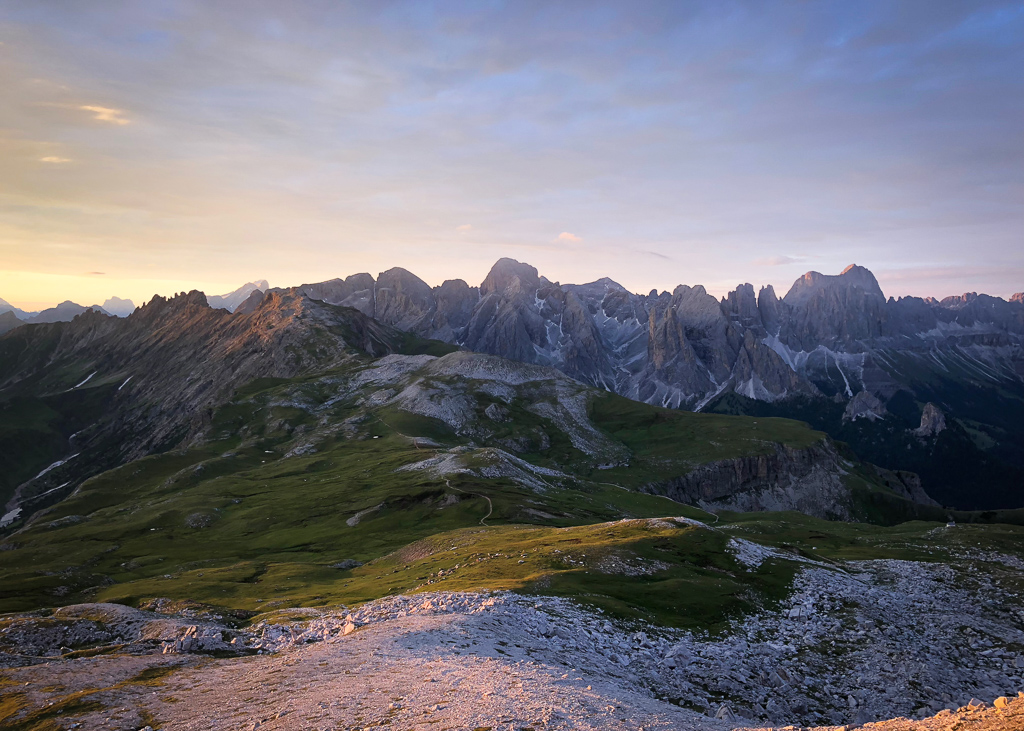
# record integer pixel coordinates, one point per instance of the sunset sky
(149, 147)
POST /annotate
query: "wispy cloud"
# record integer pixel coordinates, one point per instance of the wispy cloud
(566, 236)
(95, 274)
(54, 159)
(464, 228)
(778, 261)
(106, 114)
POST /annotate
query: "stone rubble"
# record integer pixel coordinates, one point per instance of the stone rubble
(871, 641)
(888, 638)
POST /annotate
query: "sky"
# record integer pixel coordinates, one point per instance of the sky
(156, 146)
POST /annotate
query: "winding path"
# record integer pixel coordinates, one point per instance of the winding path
(490, 505)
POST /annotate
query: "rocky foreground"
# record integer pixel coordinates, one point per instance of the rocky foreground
(876, 643)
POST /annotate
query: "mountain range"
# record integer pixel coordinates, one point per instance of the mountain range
(880, 373)
(914, 385)
(11, 316)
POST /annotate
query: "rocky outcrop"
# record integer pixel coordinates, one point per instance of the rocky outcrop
(102, 628)
(905, 484)
(808, 480)
(865, 405)
(933, 421)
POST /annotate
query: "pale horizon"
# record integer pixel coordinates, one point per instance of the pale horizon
(718, 288)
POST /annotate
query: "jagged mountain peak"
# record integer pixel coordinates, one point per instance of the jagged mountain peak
(402, 279)
(606, 282)
(119, 307)
(232, 300)
(853, 277)
(178, 300)
(505, 273)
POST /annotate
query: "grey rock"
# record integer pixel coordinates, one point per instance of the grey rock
(933, 421)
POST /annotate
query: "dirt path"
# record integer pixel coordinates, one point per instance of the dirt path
(490, 505)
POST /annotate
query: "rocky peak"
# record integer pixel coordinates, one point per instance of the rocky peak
(853, 278)
(404, 281)
(598, 288)
(695, 308)
(840, 311)
(119, 307)
(769, 306)
(232, 300)
(959, 300)
(403, 300)
(740, 305)
(509, 274)
(1019, 297)
(163, 306)
(858, 276)
(355, 291)
(455, 301)
(933, 421)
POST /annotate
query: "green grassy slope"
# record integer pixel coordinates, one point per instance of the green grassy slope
(248, 507)
(296, 476)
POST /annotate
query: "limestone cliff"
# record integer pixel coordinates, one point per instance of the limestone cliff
(809, 480)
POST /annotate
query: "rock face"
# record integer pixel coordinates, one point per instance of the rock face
(865, 405)
(933, 421)
(907, 484)
(808, 480)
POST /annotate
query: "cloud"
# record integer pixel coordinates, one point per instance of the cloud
(106, 114)
(464, 227)
(54, 159)
(566, 236)
(95, 274)
(778, 261)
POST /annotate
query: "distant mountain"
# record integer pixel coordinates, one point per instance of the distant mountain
(119, 307)
(830, 338)
(8, 321)
(6, 306)
(232, 300)
(64, 312)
